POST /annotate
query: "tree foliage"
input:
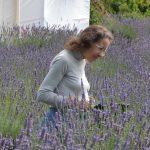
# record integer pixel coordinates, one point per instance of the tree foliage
(134, 8)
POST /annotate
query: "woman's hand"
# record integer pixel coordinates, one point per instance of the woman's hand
(87, 105)
(70, 102)
(92, 101)
(83, 104)
(73, 102)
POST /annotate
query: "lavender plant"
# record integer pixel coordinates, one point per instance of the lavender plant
(122, 78)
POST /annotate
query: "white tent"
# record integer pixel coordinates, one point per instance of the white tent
(8, 12)
(46, 12)
(31, 12)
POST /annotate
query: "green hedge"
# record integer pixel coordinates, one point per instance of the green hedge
(129, 8)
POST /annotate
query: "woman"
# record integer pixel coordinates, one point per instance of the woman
(66, 78)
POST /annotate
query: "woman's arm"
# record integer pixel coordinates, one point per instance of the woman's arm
(58, 68)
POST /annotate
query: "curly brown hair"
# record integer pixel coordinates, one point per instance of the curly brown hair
(88, 36)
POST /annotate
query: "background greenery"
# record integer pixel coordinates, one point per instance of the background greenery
(128, 8)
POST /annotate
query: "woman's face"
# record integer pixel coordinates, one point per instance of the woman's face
(98, 50)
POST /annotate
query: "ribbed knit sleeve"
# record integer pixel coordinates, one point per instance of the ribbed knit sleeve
(58, 68)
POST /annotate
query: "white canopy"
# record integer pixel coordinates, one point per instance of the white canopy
(8, 12)
(46, 12)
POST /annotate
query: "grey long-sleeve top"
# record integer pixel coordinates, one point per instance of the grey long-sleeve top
(64, 78)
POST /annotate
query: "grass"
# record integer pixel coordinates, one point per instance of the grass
(11, 121)
(116, 26)
(108, 67)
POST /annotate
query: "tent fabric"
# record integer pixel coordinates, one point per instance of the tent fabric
(31, 12)
(67, 12)
(60, 13)
(8, 12)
